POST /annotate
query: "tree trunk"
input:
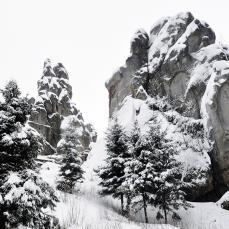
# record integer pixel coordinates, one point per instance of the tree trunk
(128, 205)
(164, 208)
(122, 204)
(165, 214)
(145, 209)
(2, 222)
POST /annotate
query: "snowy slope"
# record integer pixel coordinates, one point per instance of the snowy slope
(202, 215)
(205, 216)
(85, 208)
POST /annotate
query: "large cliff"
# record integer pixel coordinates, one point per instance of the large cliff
(181, 61)
(53, 109)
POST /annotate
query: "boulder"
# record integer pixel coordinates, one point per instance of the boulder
(223, 202)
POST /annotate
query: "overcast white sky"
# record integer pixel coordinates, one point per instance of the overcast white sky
(90, 37)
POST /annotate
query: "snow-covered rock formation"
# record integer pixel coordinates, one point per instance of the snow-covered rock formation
(53, 107)
(181, 60)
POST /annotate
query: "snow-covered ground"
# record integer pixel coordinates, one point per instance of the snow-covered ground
(86, 209)
(205, 216)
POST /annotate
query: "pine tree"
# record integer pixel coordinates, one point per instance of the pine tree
(168, 192)
(167, 189)
(153, 175)
(11, 91)
(112, 173)
(134, 137)
(140, 182)
(70, 171)
(23, 194)
(19, 143)
(139, 170)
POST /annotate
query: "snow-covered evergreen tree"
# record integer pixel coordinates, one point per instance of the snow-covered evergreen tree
(112, 173)
(19, 143)
(139, 171)
(11, 91)
(70, 171)
(134, 137)
(167, 189)
(153, 175)
(23, 194)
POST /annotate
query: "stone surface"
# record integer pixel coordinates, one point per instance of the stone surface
(119, 84)
(223, 202)
(215, 107)
(53, 105)
(84, 134)
(183, 62)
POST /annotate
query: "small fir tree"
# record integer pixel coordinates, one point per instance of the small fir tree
(70, 171)
(112, 173)
(169, 196)
(11, 91)
(140, 181)
(153, 175)
(139, 170)
(134, 137)
(167, 189)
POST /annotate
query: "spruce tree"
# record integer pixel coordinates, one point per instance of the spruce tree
(112, 173)
(168, 192)
(167, 189)
(139, 170)
(24, 197)
(11, 91)
(23, 194)
(153, 175)
(134, 137)
(70, 171)
(19, 143)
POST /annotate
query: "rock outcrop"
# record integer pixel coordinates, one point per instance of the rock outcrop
(181, 60)
(119, 85)
(54, 105)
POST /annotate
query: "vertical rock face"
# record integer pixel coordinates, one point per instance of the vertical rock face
(215, 106)
(180, 60)
(53, 105)
(119, 84)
